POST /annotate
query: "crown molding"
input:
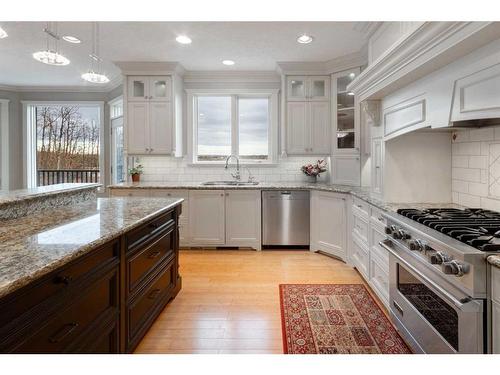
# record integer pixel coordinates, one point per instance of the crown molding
(232, 76)
(150, 67)
(428, 48)
(335, 65)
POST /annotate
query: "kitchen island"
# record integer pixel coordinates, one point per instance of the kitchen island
(89, 277)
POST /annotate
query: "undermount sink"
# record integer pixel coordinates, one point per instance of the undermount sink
(230, 183)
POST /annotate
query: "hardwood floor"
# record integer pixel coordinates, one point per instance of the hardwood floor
(229, 302)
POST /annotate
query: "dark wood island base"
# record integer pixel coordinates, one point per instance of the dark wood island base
(102, 302)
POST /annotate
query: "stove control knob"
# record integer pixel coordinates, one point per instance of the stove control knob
(439, 257)
(416, 245)
(454, 267)
(403, 235)
(390, 230)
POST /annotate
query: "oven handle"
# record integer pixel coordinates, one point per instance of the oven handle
(459, 304)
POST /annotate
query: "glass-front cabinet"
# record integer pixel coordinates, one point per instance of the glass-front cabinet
(154, 88)
(344, 112)
(308, 88)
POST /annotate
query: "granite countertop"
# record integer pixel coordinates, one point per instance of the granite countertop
(359, 192)
(494, 260)
(34, 245)
(11, 196)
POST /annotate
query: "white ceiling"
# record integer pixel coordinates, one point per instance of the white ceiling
(253, 45)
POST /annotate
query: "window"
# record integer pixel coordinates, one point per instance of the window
(63, 143)
(242, 124)
(117, 157)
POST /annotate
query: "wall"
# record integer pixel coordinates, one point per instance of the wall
(170, 169)
(476, 167)
(15, 135)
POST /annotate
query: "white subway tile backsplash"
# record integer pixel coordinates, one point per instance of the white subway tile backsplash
(480, 162)
(460, 186)
(482, 134)
(478, 189)
(466, 174)
(460, 161)
(469, 200)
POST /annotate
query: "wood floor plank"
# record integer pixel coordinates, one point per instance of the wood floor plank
(229, 302)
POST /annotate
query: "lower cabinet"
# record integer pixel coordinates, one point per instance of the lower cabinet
(207, 217)
(328, 223)
(243, 218)
(495, 309)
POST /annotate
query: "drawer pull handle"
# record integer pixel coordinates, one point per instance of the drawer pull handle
(65, 331)
(66, 280)
(359, 206)
(154, 225)
(154, 293)
(154, 254)
(380, 218)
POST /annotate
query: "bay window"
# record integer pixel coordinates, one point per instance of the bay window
(229, 122)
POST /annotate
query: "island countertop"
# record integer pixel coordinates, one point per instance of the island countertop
(34, 245)
(23, 194)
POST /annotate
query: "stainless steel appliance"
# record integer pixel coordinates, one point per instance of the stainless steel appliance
(285, 218)
(438, 276)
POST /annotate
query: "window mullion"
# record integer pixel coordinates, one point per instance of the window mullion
(234, 125)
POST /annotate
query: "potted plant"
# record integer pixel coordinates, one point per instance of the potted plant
(136, 173)
(312, 171)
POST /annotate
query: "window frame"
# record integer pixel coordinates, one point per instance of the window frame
(235, 94)
(30, 141)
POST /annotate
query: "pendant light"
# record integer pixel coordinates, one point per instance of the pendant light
(94, 74)
(51, 56)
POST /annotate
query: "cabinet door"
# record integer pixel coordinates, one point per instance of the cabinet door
(243, 218)
(319, 88)
(160, 128)
(138, 88)
(495, 321)
(160, 88)
(328, 223)
(319, 124)
(184, 217)
(138, 128)
(297, 88)
(346, 170)
(206, 217)
(298, 132)
(377, 145)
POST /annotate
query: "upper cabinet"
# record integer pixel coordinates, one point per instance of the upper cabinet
(152, 116)
(308, 88)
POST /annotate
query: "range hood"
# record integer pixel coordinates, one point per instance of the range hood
(476, 123)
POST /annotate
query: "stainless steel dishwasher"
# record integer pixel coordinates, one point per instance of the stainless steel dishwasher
(285, 218)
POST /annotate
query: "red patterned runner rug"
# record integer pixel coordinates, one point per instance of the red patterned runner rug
(335, 319)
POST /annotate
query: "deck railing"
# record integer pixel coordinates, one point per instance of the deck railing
(59, 176)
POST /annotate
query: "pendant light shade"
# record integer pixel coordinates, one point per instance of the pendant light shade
(94, 74)
(51, 56)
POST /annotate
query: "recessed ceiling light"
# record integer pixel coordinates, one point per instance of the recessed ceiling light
(305, 39)
(228, 62)
(350, 93)
(3, 33)
(71, 39)
(50, 58)
(352, 75)
(183, 39)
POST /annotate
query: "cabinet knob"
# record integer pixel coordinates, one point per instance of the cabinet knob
(145, 97)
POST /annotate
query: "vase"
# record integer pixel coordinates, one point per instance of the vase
(136, 177)
(312, 179)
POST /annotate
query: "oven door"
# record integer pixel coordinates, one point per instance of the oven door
(430, 318)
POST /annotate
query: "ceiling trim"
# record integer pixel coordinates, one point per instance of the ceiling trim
(150, 67)
(335, 65)
(231, 76)
(428, 48)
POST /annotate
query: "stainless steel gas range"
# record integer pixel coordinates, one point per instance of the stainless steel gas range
(438, 276)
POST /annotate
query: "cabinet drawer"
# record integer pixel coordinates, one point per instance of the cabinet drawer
(129, 192)
(21, 303)
(380, 252)
(57, 336)
(173, 193)
(148, 230)
(142, 310)
(360, 228)
(377, 219)
(379, 278)
(360, 256)
(144, 261)
(362, 206)
(495, 283)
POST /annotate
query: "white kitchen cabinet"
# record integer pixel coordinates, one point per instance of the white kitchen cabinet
(308, 88)
(308, 130)
(345, 170)
(495, 309)
(184, 217)
(243, 218)
(149, 128)
(129, 192)
(377, 148)
(360, 257)
(206, 217)
(328, 223)
(149, 88)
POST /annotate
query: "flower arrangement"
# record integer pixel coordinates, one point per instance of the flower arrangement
(135, 172)
(314, 170)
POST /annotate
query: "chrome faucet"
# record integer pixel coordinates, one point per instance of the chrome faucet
(236, 175)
